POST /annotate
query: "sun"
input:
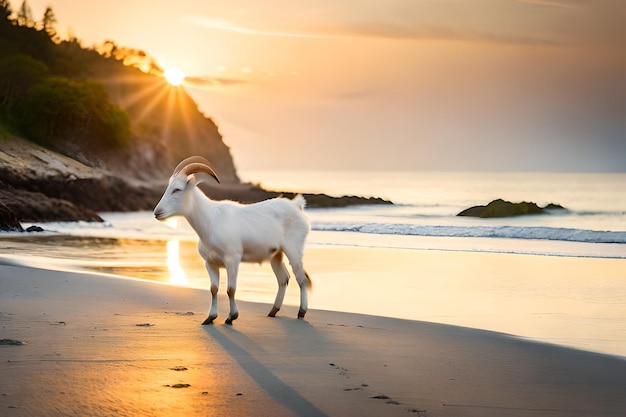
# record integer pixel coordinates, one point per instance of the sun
(175, 76)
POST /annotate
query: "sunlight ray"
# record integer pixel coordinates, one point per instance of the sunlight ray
(136, 97)
(169, 112)
(126, 98)
(190, 127)
(152, 103)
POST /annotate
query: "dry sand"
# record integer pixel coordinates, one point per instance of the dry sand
(95, 345)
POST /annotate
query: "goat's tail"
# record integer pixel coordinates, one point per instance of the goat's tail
(309, 283)
(299, 201)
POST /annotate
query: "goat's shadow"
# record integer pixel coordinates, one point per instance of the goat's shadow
(239, 345)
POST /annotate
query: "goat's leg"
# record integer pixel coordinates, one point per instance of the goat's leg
(303, 280)
(232, 269)
(214, 274)
(282, 276)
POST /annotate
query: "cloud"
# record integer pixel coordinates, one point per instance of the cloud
(566, 4)
(212, 82)
(379, 30)
(512, 22)
(432, 32)
(228, 26)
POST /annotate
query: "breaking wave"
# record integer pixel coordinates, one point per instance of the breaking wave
(508, 232)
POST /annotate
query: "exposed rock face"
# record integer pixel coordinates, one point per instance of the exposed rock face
(37, 207)
(8, 220)
(167, 127)
(502, 208)
(39, 185)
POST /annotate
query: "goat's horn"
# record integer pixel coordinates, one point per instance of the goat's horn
(190, 160)
(198, 167)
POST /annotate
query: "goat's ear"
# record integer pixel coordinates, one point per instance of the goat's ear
(191, 180)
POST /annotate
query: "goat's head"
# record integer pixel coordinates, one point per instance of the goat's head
(189, 173)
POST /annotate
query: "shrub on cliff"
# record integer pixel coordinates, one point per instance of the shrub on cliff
(57, 109)
(17, 73)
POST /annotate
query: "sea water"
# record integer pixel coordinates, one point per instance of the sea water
(427, 204)
(423, 217)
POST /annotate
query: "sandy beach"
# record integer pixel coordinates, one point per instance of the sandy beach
(87, 344)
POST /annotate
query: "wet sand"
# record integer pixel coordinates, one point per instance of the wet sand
(99, 345)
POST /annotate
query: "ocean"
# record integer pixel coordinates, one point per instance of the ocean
(423, 218)
(426, 204)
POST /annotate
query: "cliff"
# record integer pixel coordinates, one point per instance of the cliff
(166, 124)
(82, 133)
(40, 185)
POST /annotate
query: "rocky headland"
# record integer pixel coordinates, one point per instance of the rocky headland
(85, 130)
(40, 185)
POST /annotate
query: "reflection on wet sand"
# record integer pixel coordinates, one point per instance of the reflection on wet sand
(172, 261)
(177, 274)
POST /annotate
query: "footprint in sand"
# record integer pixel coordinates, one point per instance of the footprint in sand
(11, 342)
(178, 386)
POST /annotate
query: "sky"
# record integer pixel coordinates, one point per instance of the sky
(404, 85)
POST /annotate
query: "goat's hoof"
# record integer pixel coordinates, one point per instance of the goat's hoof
(209, 320)
(273, 312)
(301, 313)
(232, 318)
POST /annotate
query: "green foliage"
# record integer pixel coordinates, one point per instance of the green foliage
(17, 73)
(57, 109)
(45, 94)
(4, 132)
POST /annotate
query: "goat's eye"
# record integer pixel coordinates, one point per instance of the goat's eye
(176, 190)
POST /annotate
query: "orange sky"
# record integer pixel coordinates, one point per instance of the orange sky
(403, 84)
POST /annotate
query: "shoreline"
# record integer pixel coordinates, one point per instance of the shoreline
(98, 345)
(568, 301)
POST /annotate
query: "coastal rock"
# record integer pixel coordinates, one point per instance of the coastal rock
(553, 206)
(248, 193)
(502, 208)
(37, 207)
(326, 201)
(8, 220)
(40, 185)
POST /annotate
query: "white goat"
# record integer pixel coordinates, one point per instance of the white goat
(231, 233)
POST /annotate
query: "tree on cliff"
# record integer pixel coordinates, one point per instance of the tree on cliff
(5, 11)
(49, 20)
(25, 15)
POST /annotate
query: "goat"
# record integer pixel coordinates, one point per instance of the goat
(231, 233)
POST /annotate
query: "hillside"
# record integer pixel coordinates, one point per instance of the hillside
(83, 130)
(96, 106)
(167, 126)
(40, 185)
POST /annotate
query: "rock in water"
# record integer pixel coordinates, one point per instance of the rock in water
(502, 208)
